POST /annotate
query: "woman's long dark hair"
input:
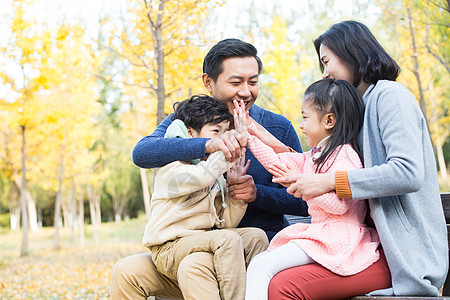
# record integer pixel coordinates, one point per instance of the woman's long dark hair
(341, 99)
(354, 44)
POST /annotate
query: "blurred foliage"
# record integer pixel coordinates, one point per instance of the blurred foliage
(90, 98)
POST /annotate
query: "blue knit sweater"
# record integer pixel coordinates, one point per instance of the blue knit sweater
(272, 201)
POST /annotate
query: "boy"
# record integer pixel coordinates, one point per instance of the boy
(190, 204)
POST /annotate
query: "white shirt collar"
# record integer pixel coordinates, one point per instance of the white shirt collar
(321, 145)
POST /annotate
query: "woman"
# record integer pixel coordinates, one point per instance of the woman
(399, 178)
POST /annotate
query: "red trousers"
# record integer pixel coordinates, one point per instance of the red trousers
(316, 282)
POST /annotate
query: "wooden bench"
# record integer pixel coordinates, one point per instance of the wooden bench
(445, 198)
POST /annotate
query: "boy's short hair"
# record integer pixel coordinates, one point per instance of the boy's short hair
(200, 110)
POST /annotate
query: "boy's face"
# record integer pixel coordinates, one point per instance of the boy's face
(210, 130)
(238, 81)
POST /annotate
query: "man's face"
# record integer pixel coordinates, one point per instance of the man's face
(238, 81)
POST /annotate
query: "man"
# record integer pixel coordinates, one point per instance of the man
(231, 72)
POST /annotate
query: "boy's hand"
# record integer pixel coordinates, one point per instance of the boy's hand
(241, 186)
(238, 169)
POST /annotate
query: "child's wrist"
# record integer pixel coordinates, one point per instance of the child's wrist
(283, 148)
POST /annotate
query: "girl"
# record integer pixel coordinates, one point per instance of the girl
(337, 237)
(399, 178)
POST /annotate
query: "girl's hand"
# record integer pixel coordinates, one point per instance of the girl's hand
(240, 124)
(279, 170)
(309, 185)
(267, 138)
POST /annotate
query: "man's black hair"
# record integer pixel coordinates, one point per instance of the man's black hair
(213, 62)
(200, 110)
(354, 44)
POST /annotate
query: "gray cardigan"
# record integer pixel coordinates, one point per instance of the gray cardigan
(400, 181)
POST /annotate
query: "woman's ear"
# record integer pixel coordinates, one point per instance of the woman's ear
(207, 82)
(329, 121)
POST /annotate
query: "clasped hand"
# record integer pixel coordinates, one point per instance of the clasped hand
(241, 185)
(233, 142)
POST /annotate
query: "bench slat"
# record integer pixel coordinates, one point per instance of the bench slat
(445, 198)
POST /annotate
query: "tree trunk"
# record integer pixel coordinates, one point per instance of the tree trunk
(441, 162)
(31, 207)
(23, 203)
(98, 211)
(32, 215)
(73, 213)
(65, 206)
(117, 218)
(145, 187)
(57, 218)
(439, 136)
(81, 220)
(117, 210)
(416, 71)
(159, 53)
(94, 203)
(15, 218)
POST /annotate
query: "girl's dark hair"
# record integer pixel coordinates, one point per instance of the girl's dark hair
(354, 44)
(200, 110)
(341, 99)
(213, 62)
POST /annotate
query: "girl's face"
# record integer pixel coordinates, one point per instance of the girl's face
(315, 125)
(333, 67)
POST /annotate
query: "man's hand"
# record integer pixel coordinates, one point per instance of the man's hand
(241, 186)
(228, 143)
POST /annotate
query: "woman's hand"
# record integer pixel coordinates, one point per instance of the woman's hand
(309, 185)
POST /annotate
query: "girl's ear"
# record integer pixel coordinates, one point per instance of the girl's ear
(329, 121)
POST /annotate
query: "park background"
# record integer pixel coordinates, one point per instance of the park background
(82, 81)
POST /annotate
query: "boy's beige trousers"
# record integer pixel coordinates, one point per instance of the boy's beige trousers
(200, 275)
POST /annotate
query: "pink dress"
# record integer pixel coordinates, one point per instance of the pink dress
(337, 237)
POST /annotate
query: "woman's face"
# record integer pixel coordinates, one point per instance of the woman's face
(333, 67)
